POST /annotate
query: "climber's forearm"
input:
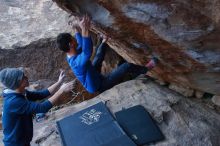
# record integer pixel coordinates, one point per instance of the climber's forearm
(55, 98)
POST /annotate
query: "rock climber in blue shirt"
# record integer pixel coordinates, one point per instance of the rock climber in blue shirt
(79, 51)
(19, 105)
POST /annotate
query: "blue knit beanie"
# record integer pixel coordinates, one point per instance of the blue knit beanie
(11, 77)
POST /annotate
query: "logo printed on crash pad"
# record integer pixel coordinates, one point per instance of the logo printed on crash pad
(91, 117)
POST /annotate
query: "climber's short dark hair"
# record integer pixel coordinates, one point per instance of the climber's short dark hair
(63, 41)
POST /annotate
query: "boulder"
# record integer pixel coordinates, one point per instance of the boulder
(216, 100)
(186, 91)
(184, 35)
(40, 60)
(199, 94)
(24, 21)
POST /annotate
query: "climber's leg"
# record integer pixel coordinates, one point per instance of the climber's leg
(100, 54)
(116, 76)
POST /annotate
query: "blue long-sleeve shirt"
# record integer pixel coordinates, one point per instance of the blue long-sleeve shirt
(17, 115)
(82, 66)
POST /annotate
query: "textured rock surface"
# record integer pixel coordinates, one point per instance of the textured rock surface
(183, 34)
(40, 59)
(183, 121)
(24, 21)
(199, 94)
(216, 100)
(184, 91)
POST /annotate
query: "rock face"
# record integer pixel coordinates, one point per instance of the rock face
(24, 21)
(183, 121)
(41, 59)
(184, 35)
(216, 100)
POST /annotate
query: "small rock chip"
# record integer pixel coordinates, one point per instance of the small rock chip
(216, 100)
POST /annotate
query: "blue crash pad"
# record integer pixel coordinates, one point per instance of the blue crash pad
(93, 126)
(139, 125)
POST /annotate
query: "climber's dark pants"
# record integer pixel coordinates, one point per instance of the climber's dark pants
(116, 76)
(99, 56)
